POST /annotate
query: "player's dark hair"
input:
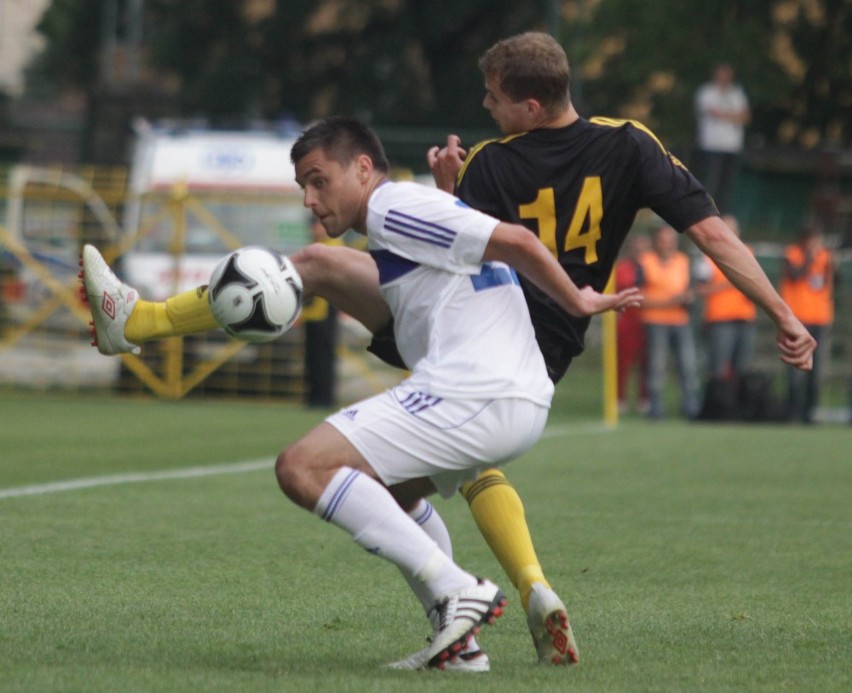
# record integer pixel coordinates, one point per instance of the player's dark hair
(531, 65)
(342, 139)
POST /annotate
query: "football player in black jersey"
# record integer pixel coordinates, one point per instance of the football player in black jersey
(578, 184)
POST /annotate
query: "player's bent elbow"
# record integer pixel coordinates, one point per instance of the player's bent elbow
(512, 244)
(528, 244)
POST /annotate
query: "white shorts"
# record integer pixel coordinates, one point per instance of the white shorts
(405, 434)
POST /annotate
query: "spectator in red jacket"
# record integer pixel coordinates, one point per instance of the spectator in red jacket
(632, 353)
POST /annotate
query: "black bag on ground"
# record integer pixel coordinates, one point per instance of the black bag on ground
(720, 400)
(750, 397)
(758, 401)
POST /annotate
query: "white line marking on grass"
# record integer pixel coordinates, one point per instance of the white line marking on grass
(213, 470)
(135, 478)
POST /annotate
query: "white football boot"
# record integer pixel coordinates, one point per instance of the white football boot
(470, 659)
(549, 627)
(459, 616)
(110, 301)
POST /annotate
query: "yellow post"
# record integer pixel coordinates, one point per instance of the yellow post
(610, 359)
(173, 347)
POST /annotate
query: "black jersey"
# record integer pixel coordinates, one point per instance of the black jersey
(579, 189)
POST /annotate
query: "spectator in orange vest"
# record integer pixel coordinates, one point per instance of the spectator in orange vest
(666, 283)
(807, 285)
(632, 352)
(729, 319)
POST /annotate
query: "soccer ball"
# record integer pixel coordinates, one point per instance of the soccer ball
(255, 294)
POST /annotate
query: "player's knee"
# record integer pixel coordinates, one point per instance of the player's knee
(283, 471)
(318, 265)
(292, 474)
(308, 262)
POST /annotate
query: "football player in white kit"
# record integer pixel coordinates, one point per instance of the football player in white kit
(478, 393)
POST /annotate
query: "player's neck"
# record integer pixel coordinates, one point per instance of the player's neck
(369, 188)
(560, 120)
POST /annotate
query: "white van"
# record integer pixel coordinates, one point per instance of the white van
(195, 194)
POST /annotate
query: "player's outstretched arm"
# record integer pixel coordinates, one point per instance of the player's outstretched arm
(742, 269)
(516, 246)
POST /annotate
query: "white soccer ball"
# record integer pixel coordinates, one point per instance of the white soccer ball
(255, 294)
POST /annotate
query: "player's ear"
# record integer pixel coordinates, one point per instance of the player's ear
(533, 108)
(364, 166)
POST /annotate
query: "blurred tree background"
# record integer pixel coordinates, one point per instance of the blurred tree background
(412, 65)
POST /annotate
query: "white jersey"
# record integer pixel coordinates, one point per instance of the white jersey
(462, 328)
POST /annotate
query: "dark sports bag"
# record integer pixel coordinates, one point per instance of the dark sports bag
(757, 399)
(750, 397)
(720, 400)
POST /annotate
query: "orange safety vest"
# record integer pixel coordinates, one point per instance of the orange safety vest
(662, 281)
(810, 297)
(726, 304)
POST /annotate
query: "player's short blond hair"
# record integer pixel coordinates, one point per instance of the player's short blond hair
(531, 65)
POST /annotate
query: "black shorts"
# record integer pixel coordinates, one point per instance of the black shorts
(383, 345)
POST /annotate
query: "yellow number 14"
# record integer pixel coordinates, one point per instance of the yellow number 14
(589, 206)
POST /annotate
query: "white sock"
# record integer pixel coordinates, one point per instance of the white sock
(365, 508)
(425, 515)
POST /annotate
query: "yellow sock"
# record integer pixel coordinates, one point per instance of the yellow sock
(190, 312)
(185, 313)
(499, 513)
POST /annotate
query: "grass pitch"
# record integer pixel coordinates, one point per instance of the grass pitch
(692, 557)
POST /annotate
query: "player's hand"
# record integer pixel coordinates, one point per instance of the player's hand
(595, 302)
(445, 163)
(796, 346)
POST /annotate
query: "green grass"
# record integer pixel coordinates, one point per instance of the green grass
(692, 557)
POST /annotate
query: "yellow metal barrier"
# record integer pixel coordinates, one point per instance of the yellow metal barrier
(53, 212)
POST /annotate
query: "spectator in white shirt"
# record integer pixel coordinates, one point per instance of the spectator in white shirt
(722, 111)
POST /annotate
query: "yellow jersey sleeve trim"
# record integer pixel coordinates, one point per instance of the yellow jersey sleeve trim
(477, 148)
(616, 122)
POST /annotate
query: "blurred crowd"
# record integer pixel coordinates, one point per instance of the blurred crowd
(693, 314)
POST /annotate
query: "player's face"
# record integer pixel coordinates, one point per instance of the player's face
(332, 191)
(511, 116)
